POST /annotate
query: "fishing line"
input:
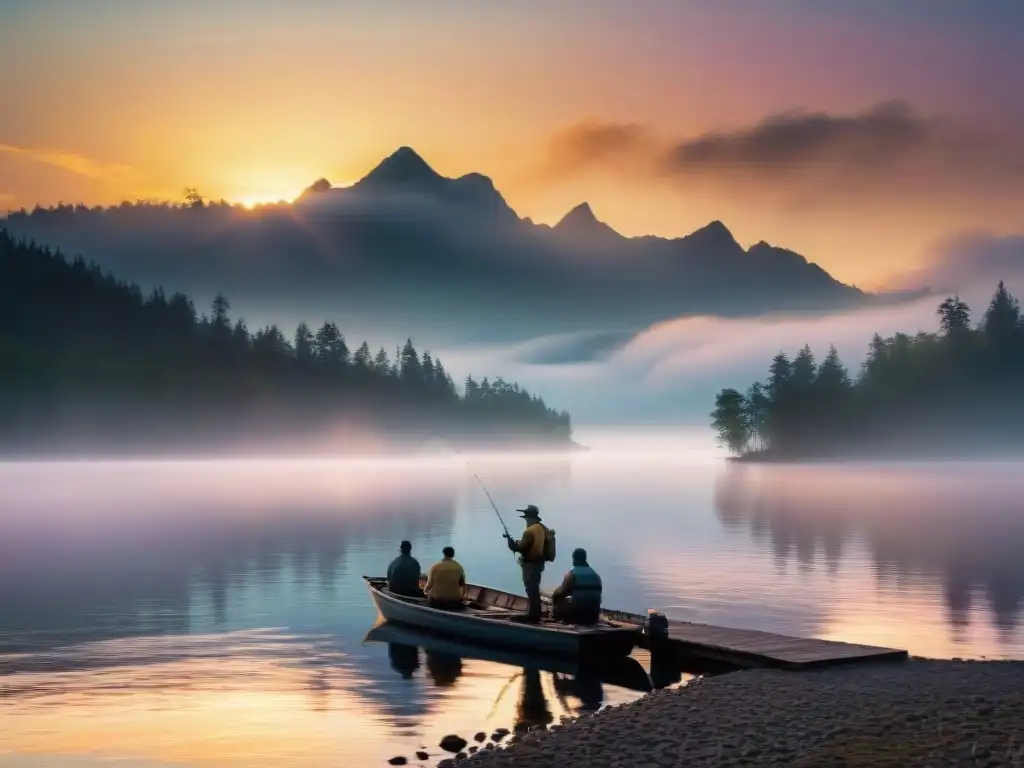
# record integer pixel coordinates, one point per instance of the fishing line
(473, 471)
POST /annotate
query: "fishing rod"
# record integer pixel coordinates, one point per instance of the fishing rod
(473, 471)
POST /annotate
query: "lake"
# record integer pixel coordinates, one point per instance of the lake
(211, 613)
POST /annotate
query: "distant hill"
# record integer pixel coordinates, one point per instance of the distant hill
(405, 246)
(91, 365)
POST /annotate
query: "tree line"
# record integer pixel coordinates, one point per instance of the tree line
(949, 392)
(83, 354)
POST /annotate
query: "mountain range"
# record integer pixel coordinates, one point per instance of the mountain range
(407, 247)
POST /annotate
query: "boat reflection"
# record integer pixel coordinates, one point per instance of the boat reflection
(444, 658)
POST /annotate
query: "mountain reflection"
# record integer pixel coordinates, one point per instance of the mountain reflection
(960, 530)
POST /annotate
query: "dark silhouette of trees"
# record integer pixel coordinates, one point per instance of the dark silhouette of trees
(193, 199)
(949, 393)
(87, 360)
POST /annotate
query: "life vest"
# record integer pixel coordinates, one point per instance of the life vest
(585, 582)
(586, 593)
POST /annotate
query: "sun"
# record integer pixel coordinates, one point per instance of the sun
(253, 201)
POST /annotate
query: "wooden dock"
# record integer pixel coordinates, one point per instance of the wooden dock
(753, 648)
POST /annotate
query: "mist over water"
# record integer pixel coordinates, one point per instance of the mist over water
(212, 612)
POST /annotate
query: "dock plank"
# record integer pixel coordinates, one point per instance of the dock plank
(755, 648)
(749, 647)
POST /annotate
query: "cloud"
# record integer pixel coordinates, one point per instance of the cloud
(972, 260)
(669, 372)
(71, 161)
(887, 148)
(787, 141)
(592, 144)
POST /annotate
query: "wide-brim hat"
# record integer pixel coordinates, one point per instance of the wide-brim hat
(530, 511)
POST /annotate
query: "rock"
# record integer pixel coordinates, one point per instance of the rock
(499, 734)
(472, 750)
(480, 736)
(461, 756)
(398, 760)
(421, 755)
(452, 743)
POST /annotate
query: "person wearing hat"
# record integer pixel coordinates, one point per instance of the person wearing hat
(531, 557)
(578, 597)
(404, 573)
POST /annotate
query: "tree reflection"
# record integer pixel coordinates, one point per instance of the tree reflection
(962, 529)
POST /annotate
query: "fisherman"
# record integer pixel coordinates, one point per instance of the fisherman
(445, 582)
(531, 549)
(578, 597)
(404, 573)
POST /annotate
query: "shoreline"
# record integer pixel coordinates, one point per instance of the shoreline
(514, 448)
(852, 457)
(914, 713)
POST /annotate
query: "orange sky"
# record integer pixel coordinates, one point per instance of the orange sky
(111, 100)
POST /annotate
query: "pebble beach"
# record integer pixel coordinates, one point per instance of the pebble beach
(914, 713)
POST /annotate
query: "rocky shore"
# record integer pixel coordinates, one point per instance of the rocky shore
(917, 713)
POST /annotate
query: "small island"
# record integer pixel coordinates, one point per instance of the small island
(953, 394)
(90, 365)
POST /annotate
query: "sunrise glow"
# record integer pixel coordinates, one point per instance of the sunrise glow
(254, 201)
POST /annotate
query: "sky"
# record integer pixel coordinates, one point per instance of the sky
(863, 134)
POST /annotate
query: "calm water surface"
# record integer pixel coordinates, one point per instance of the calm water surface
(212, 613)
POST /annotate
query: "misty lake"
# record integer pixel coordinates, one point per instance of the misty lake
(212, 613)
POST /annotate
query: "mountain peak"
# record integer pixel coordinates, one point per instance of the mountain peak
(582, 221)
(403, 166)
(715, 234)
(581, 214)
(318, 187)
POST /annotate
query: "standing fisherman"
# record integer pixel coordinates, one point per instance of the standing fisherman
(533, 551)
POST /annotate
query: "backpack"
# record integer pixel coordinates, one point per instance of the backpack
(549, 545)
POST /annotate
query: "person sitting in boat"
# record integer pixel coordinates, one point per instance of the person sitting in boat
(404, 573)
(445, 582)
(578, 597)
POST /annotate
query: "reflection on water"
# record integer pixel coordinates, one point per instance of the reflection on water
(213, 613)
(929, 534)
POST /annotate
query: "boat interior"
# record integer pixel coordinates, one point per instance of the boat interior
(498, 604)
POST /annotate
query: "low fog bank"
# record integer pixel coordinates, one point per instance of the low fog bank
(338, 438)
(667, 375)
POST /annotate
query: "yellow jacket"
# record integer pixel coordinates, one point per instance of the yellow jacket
(445, 581)
(531, 546)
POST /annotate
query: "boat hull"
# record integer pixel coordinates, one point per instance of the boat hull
(582, 643)
(624, 672)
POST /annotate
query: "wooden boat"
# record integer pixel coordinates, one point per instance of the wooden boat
(623, 671)
(487, 614)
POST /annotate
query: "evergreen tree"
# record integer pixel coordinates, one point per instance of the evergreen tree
(912, 391)
(362, 360)
(729, 420)
(330, 348)
(305, 345)
(381, 363)
(135, 369)
(220, 322)
(955, 318)
(409, 364)
(1002, 324)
